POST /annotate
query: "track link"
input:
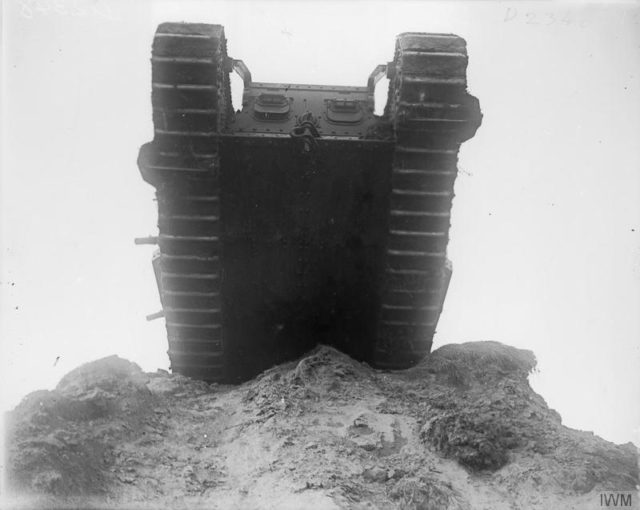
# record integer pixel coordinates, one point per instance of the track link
(432, 115)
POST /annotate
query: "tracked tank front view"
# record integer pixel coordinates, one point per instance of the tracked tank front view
(303, 217)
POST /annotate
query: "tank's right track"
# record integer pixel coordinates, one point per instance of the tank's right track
(432, 115)
(190, 99)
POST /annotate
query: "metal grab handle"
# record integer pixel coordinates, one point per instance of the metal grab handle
(376, 75)
(240, 68)
(243, 71)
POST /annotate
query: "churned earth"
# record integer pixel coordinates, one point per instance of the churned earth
(463, 430)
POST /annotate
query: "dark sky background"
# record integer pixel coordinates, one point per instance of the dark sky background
(545, 239)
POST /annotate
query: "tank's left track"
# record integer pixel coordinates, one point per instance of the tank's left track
(191, 101)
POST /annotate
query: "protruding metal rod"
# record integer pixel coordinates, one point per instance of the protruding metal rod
(146, 240)
(154, 316)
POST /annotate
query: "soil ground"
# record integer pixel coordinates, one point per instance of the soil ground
(463, 430)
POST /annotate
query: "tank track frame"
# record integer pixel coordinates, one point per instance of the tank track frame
(191, 101)
(432, 114)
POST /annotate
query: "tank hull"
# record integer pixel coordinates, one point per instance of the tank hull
(281, 228)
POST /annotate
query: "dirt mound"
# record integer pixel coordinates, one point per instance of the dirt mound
(463, 430)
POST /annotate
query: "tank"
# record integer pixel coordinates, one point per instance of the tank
(303, 217)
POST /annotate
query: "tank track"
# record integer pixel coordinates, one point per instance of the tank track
(191, 101)
(432, 115)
